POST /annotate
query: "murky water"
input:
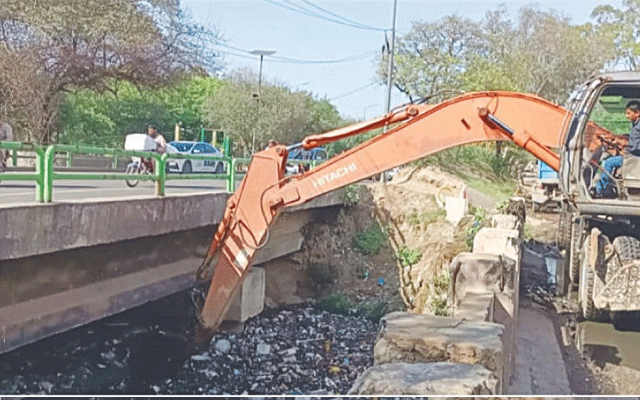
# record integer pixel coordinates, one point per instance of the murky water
(157, 349)
(604, 344)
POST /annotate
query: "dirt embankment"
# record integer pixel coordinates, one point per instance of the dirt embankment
(390, 249)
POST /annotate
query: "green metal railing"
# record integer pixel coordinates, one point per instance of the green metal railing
(37, 176)
(45, 173)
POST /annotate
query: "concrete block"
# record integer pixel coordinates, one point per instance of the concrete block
(498, 241)
(479, 273)
(418, 338)
(456, 208)
(439, 378)
(475, 306)
(250, 299)
(505, 221)
(504, 312)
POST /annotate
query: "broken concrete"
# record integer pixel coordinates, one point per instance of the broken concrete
(506, 242)
(416, 338)
(440, 378)
(506, 221)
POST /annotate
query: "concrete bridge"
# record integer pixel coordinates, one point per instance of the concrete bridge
(69, 263)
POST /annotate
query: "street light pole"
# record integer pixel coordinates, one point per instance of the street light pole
(390, 72)
(260, 53)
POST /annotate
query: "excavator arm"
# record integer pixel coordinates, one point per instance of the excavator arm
(418, 130)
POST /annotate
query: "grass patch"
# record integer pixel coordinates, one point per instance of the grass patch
(408, 257)
(336, 303)
(369, 241)
(439, 307)
(423, 220)
(339, 303)
(479, 167)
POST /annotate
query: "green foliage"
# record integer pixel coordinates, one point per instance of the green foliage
(347, 143)
(439, 307)
(105, 118)
(339, 303)
(280, 114)
(474, 163)
(540, 52)
(369, 241)
(408, 257)
(425, 219)
(70, 45)
(441, 283)
(440, 286)
(528, 232)
(351, 195)
(374, 311)
(479, 220)
(336, 303)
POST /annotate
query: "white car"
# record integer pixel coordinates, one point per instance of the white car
(185, 166)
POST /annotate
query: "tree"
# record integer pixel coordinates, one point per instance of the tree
(281, 115)
(623, 28)
(104, 119)
(542, 54)
(431, 57)
(97, 44)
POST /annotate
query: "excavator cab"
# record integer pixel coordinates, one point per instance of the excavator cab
(597, 130)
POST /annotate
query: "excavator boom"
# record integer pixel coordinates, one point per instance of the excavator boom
(529, 121)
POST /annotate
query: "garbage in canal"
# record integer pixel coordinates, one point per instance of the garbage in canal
(295, 350)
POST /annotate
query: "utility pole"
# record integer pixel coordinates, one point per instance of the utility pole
(391, 53)
(260, 53)
(390, 70)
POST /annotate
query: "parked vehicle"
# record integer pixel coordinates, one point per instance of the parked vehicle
(185, 166)
(541, 187)
(316, 154)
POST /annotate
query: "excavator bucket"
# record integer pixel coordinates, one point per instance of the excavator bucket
(243, 230)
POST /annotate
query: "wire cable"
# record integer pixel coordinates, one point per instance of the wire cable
(341, 17)
(288, 60)
(353, 91)
(310, 13)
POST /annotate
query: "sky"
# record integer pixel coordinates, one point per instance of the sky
(330, 57)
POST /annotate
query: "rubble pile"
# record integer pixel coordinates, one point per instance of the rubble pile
(293, 351)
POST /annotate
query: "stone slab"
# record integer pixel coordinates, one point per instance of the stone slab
(418, 338)
(440, 378)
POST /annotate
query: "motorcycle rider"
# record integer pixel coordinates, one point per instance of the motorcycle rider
(161, 143)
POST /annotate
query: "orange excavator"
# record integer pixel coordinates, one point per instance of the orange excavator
(414, 131)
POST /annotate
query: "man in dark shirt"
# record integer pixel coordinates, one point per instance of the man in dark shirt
(605, 187)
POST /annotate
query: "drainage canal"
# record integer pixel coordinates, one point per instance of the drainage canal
(156, 349)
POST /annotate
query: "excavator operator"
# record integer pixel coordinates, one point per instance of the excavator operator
(605, 187)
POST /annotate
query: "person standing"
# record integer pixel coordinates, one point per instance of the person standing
(6, 134)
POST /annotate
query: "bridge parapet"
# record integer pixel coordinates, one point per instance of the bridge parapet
(67, 264)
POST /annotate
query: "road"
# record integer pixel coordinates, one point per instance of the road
(18, 192)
